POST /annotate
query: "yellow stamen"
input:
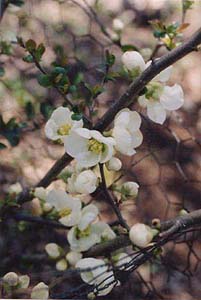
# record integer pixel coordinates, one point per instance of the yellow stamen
(65, 212)
(83, 233)
(64, 129)
(95, 146)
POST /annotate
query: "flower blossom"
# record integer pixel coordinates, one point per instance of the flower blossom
(68, 207)
(61, 124)
(99, 275)
(83, 183)
(89, 147)
(126, 131)
(87, 233)
(141, 235)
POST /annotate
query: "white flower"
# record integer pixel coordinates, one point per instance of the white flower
(105, 283)
(73, 257)
(133, 61)
(40, 291)
(122, 261)
(114, 164)
(11, 278)
(83, 183)
(117, 24)
(95, 272)
(126, 131)
(141, 235)
(68, 207)
(88, 215)
(61, 265)
(159, 98)
(89, 147)
(40, 193)
(52, 250)
(130, 188)
(82, 240)
(90, 269)
(60, 124)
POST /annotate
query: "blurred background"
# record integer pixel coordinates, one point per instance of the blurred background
(167, 166)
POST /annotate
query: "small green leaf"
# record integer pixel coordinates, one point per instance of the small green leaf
(17, 2)
(2, 146)
(129, 47)
(2, 71)
(30, 45)
(39, 51)
(76, 116)
(46, 110)
(110, 58)
(29, 108)
(44, 80)
(97, 90)
(28, 58)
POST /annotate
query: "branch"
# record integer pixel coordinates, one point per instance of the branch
(110, 199)
(130, 96)
(169, 228)
(140, 82)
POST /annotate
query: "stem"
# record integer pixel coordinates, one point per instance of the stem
(110, 199)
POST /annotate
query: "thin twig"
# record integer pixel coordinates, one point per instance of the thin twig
(110, 199)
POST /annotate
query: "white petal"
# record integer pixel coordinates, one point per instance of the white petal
(172, 97)
(143, 101)
(137, 139)
(107, 154)
(74, 144)
(51, 130)
(89, 214)
(134, 121)
(123, 141)
(132, 60)
(88, 159)
(164, 75)
(61, 115)
(156, 112)
(105, 283)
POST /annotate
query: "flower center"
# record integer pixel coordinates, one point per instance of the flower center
(64, 129)
(154, 90)
(95, 146)
(83, 233)
(65, 212)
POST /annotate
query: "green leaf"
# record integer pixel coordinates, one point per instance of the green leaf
(110, 58)
(28, 58)
(2, 71)
(44, 80)
(46, 110)
(97, 90)
(76, 116)
(17, 2)
(30, 45)
(39, 51)
(29, 108)
(2, 146)
(129, 47)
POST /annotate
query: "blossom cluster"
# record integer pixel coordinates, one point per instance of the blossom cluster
(89, 148)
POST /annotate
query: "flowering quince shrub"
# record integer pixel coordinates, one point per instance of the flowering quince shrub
(100, 252)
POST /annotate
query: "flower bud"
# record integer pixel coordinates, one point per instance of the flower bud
(141, 235)
(133, 61)
(40, 291)
(114, 164)
(61, 265)
(117, 25)
(129, 189)
(11, 279)
(52, 250)
(73, 257)
(24, 281)
(40, 193)
(15, 188)
(84, 183)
